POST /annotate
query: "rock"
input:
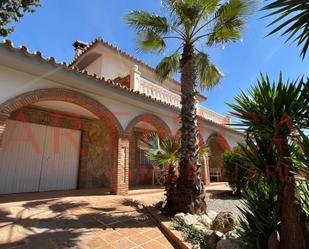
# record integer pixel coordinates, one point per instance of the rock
(211, 238)
(230, 244)
(190, 219)
(232, 235)
(274, 240)
(179, 217)
(205, 220)
(224, 222)
(212, 214)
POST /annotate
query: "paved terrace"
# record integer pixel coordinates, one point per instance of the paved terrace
(80, 219)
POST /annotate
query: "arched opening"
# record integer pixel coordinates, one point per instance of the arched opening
(217, 145)
(141, 170)
(61, 140)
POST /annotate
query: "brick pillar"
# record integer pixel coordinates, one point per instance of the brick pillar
(120, 179)
(205, 171)
(3, 118)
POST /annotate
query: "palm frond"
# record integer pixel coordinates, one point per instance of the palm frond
(188, 14)
(292, 20)
(150, 29)
(229, 21)
(209, 5)
(161, 151)
(143, 20)
(208, 74)
(151, 140)
(282, 98)
(148, 40)
(168, 66)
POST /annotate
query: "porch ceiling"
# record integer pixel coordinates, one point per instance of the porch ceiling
(66, 107)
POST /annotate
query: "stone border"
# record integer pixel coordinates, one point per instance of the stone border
(165, 224)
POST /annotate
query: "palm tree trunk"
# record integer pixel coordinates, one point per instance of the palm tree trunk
(294, 233)
(189, 195)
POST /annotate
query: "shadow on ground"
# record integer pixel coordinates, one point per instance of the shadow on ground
(54, 223)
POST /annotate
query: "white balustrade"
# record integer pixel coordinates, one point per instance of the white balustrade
(160, 93)
(213, 116)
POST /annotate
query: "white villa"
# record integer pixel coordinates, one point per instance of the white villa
(74, 126)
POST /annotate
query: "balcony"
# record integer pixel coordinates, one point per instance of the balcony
(158, 92)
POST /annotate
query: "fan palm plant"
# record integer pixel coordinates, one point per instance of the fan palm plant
(274, 116)
(190, 23)
(166, 152)
(292, 19)
(161, 152)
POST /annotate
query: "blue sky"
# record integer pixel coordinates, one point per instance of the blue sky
(54, 27)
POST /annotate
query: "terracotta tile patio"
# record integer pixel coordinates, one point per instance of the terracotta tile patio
(78, 220)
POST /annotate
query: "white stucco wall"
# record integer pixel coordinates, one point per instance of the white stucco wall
(95, 67)
(111, 65)
(14, 83)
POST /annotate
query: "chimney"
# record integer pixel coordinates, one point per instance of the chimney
(79, 47)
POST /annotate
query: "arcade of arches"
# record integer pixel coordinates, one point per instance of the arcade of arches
(108, 155)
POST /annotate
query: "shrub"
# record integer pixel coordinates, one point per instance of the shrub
(236, 168)
(274, 116)
(191, 234)
(260, 214)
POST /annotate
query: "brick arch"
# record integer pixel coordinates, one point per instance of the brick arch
(57, 94)
(152, 119)
(217, 145)
(220, 140)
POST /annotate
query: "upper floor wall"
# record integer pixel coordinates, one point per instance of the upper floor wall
(105, 60)
(108, 61)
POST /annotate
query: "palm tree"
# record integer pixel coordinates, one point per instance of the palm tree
(292, 20)
(190, 23)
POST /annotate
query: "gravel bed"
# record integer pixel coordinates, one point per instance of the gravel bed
(225, 203)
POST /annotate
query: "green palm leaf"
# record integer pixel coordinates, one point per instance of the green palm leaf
(209, 75)
(292, 20)
(143, 20)
(149, 40)
(229, 22)
(168, 66)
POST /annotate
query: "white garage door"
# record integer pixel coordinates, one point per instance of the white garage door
(38, 158)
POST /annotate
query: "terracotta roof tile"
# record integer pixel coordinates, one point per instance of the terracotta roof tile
(71, 68)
